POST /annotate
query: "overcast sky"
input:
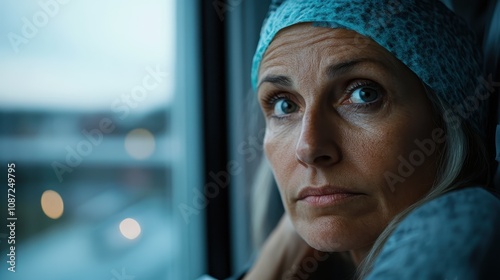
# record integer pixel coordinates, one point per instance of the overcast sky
(83, 54)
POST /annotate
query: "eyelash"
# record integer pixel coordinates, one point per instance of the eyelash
(357, 84)
(270, 100)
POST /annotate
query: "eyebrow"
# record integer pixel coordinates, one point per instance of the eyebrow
(331, 72)
(344, 67)
(282, 81)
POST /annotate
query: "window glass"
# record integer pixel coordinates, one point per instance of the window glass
(86, 96)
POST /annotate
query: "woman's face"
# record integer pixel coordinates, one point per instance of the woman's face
(340, 120)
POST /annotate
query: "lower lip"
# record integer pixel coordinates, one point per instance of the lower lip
(329, 199)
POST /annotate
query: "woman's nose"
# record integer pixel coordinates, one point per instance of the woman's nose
(316, 146)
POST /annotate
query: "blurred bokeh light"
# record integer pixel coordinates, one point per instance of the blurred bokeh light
(130, 228)
(140, 143)
(52, 204)
(85, 103)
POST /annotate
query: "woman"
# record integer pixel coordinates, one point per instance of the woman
(375, 117)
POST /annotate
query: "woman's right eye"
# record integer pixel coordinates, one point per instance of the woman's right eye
(284, 107)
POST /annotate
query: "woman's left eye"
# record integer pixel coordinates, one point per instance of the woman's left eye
(364, 95)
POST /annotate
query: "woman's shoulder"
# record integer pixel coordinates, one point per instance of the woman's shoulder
(474, 204)
(466, 213)
(455, 236)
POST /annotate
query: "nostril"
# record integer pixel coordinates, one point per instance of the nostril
(323, 159)
(319, 155)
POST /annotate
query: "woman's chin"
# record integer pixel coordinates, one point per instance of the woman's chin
(326, 235)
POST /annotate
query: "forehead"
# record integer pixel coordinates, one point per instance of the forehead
(305, 48)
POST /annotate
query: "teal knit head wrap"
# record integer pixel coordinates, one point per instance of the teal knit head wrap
(429, 39)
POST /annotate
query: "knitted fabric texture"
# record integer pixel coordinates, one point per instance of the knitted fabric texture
(425, 35)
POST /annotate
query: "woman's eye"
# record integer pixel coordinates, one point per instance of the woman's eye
(284, 107)
(364, 95)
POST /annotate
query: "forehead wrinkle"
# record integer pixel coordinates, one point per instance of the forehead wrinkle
(307, 54)
(327, 38)
(294, 37)
(345, 66)
(320, 49)
(372, 55)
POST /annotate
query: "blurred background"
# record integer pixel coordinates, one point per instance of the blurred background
(86, 95)
(117, 116)
(135, 136)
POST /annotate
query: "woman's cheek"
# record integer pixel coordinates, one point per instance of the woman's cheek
(280, 152)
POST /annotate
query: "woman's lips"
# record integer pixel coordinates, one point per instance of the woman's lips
(325, 195)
